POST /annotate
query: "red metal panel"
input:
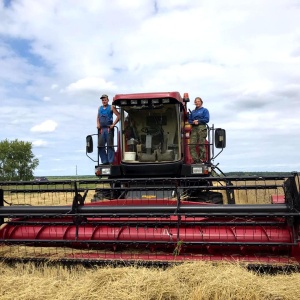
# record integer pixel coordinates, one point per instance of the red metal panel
(175, 95)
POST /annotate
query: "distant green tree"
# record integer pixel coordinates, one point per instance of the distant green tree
(17, 161)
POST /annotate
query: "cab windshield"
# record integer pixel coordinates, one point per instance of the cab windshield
(150, 134)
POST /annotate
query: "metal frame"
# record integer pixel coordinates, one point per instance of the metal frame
(271, 230)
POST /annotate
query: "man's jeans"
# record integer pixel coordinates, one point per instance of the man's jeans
(106, 138)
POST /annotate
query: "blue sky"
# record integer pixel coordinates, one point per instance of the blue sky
(242, 58)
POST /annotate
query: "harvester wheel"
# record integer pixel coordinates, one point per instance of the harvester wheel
(100, 195)
(210, 197)
(109, 193)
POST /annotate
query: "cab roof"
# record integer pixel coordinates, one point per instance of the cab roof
(158, 95)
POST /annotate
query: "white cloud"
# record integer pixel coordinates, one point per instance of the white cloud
(90, 84)
(39, 143)
(46, 126)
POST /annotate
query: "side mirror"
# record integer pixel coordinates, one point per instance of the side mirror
(89, 144)
(220, 138)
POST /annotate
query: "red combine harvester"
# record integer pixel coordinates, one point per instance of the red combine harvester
(153, 204)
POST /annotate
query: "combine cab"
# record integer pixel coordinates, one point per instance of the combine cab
(153, 204)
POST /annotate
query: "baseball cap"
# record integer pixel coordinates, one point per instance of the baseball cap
(103, 96)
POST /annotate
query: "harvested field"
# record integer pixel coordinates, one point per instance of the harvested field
(193, 281)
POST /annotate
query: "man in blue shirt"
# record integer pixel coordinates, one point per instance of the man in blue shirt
(105, 127)
(198, 118)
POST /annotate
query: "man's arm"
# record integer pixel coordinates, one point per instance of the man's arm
(117, 116)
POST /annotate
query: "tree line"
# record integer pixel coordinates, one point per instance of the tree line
(262, 174)
(17, 161)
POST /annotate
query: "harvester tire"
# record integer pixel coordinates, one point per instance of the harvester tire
(99, 196)
(210, 197)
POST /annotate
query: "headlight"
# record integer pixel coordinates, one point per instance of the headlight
(197, 170)
(99, 171)
(106, 171)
